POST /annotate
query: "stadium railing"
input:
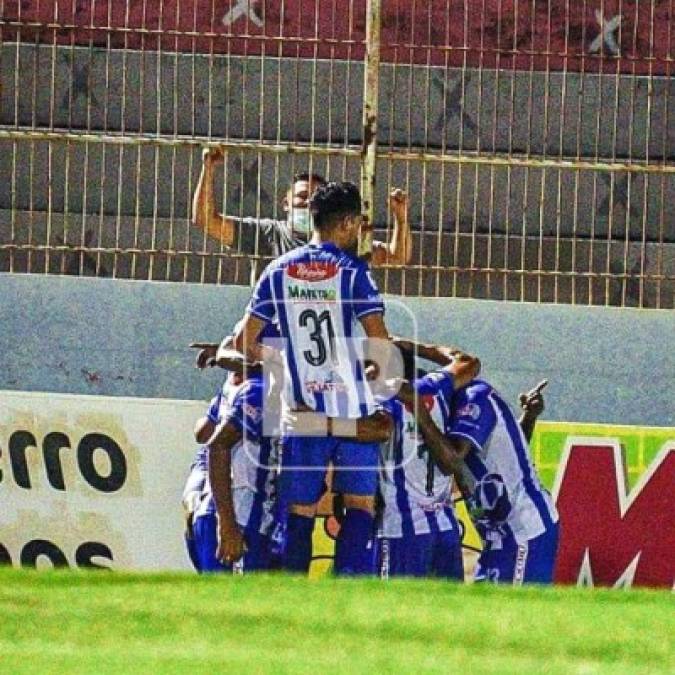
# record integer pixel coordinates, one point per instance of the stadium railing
(534, 139)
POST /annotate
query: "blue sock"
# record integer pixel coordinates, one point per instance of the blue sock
(353, 550)
(298, 553)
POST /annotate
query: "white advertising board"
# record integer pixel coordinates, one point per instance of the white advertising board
(92, 480)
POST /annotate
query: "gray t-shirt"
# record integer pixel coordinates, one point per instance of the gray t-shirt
(265, 236)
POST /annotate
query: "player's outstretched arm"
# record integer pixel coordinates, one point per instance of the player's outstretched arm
(448, 453)
(399, 250)
(230, 538)
(204, 428)
(436, 353)
(204, 214)
(222, 355)
(532, 404)
(246, 339)
(375, 428)
(206, 356)
(378, 345)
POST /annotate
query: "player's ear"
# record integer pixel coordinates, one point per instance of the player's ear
(285, 203)
(348, 222)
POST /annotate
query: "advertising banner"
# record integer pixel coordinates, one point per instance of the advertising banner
(93, 481)
(97, 481)
(614, 488)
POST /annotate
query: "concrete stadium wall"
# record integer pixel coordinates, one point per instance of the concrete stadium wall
(272, 99)
(129, 338)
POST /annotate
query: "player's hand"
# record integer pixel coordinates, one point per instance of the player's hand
(206, 357)
(463, 368)
(533, 401)
(398, 202)
(214, 154)
(231, 545)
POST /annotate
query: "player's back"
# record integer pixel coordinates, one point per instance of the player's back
(499, 463)
(254, 459)
(315, 295)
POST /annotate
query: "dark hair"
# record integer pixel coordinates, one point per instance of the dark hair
(331, 202)
(309, 177)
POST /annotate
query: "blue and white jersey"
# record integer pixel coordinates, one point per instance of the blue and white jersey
(254, 461)
(315, 295)
(417, 496)
(221, 403)
(508, 497)
(199, 474)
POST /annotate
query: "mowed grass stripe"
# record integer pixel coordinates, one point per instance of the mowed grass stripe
(101, 622)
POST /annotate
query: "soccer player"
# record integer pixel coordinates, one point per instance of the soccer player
(316, 295)
(418, 532)
(242, 465)
(233, 518)
(197, 488)
(513, 513)
(280, 236)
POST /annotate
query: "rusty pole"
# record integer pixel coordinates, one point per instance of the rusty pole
(369, 139)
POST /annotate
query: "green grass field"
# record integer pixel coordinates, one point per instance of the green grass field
(69, 622)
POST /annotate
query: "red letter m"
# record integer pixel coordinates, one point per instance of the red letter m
(609, 537)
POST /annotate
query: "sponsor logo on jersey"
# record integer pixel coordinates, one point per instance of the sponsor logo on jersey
(521, 563)
(320, 294)
(312, 271)
(318, 387)
(432, 507)
(253, 412)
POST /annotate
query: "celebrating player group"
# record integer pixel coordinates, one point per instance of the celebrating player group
(316, 381)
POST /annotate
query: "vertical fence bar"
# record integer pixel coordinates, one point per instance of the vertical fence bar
(613, 238)
(371, 82)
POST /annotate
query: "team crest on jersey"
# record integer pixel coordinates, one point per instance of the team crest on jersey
(471, 410)
(253, 412)
(312, 271)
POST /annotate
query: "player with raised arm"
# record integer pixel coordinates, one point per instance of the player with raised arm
(280, 236)
(233, 521)
(317, 295)
(513, 513)
(201, 546)
(418, 532)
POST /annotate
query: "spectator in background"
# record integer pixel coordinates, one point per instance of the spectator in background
(280, 236)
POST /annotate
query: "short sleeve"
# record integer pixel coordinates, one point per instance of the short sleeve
(253, 236)
(246, 413)
(474, 417)
(366, 296)
(439, 382)
(198, 472)
(213, 413)
(262, 300)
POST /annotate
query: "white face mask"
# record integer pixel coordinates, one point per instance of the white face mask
(300, 220)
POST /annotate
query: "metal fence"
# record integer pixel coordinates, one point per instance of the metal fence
(535, 139)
